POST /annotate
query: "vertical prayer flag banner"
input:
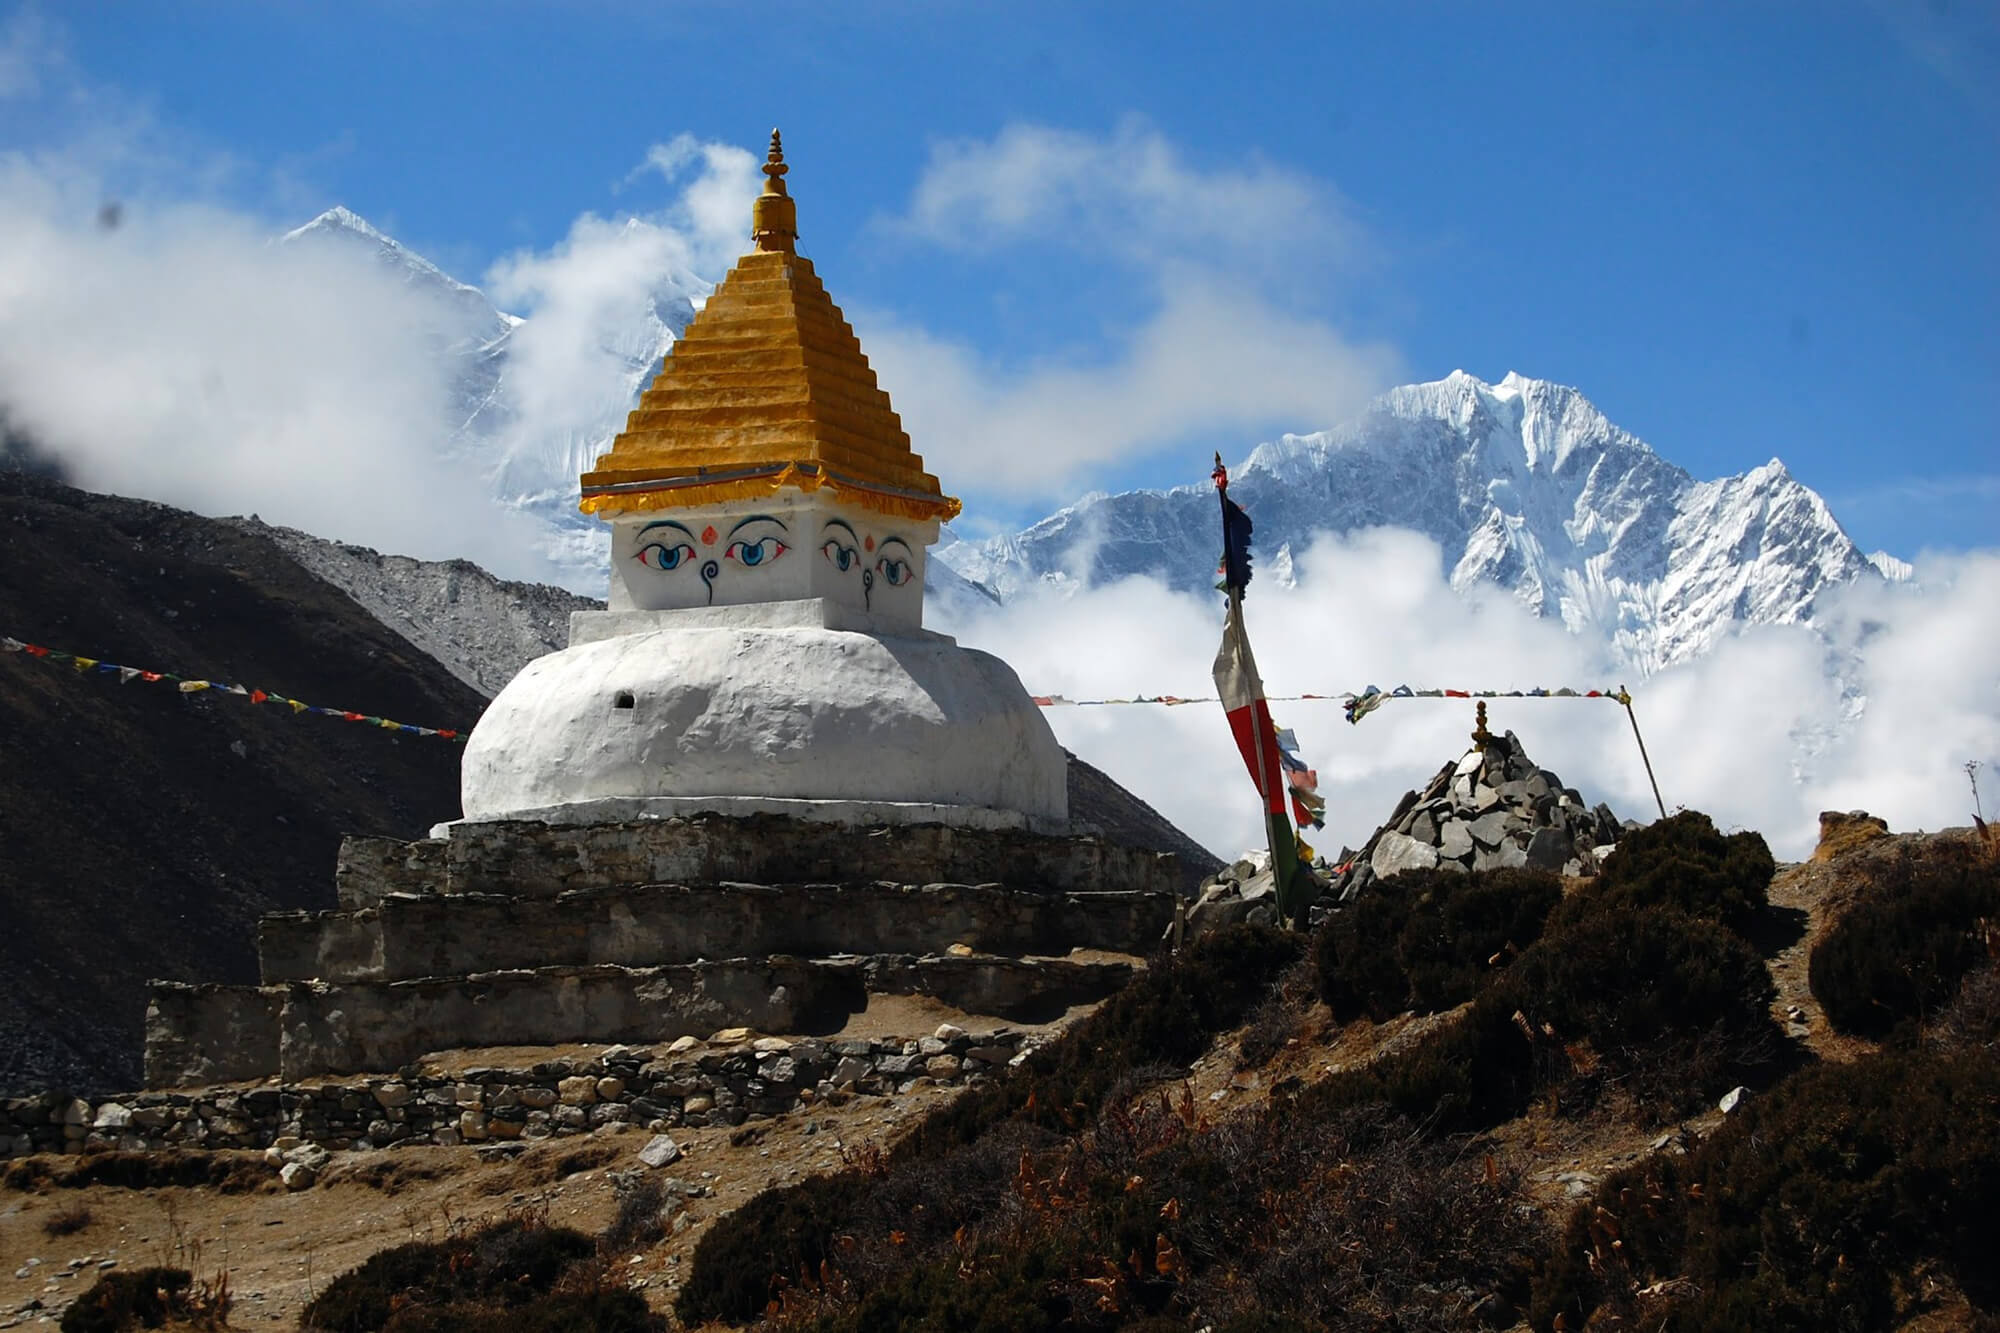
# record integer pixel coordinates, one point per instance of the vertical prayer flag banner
(1242, 693)
(1249, 715)
(1236, 529)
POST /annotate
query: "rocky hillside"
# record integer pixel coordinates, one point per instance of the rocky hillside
(483, 629)
(142, 830)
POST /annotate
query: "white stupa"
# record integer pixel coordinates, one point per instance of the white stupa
(764, 648)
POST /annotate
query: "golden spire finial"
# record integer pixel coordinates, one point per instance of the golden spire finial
(774, 218)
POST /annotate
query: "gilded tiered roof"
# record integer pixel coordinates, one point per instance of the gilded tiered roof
(767, 388)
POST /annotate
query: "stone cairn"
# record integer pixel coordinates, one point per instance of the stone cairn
(1489, 809)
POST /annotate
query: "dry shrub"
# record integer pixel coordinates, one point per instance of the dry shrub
(518, 1274)
(1165, 1220)
(1809, 1209)
(1665, 1009)
(1278, 1018)
(1428, 940)
(1921, 923)
(67, 1220)
(1972, 1019)
(1682, 862)
(148, 1298)
(641, 1219)
(225, 1172)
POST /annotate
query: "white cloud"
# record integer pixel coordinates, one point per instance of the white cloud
(1753, 734)
(29, 47)
(1130, 196)
(592, 336)
(1237, 258)
(712, 210)
(180, 356)
(1214, 361)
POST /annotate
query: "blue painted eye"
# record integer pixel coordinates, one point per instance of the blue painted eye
(757, 552)
(658, 555)
(841, 556)
(894, 572)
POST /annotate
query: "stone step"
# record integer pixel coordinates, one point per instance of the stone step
(205, 1034)
(407, 936)
(535, 860)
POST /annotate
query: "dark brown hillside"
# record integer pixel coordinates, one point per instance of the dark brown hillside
(142, 831)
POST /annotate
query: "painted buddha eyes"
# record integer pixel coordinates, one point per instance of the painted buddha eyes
(668, 546)
(664, 556)
(844, 549)
(758, 552)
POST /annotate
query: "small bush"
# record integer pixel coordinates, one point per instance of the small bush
(1900, 949)
(507, 1270)
(1429, 939)
(66, 1221)
(1663, 1005)
(148, 1298)
(1972, 1019)
(1805, 1210)
(1682, 862)
(1278, 1018)
(641, 1218)
(1478, 1071)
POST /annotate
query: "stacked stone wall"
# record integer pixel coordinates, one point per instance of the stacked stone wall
(723, 1083)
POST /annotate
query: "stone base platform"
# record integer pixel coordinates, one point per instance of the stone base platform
(519, 933)
(533, 860)
(406, 936)
(204, 1034)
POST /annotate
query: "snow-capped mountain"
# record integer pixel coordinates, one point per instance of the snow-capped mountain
(529, 439)
(1523, 483)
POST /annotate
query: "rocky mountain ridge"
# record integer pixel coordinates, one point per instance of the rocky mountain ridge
(1524, 484)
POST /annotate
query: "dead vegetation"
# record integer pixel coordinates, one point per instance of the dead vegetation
(1216, 1149)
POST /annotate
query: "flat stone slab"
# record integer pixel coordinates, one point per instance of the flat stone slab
(534, 860)
(404, 937)
(1398, 851)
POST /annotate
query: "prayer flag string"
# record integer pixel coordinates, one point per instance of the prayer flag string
(1357, 705)
(186, 685)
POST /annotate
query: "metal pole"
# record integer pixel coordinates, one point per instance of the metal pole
(1625, 697)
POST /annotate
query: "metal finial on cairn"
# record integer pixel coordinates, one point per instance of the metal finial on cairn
(1480, 735)
(774, 217)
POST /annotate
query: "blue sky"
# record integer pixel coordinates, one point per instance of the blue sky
(1744, 231)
